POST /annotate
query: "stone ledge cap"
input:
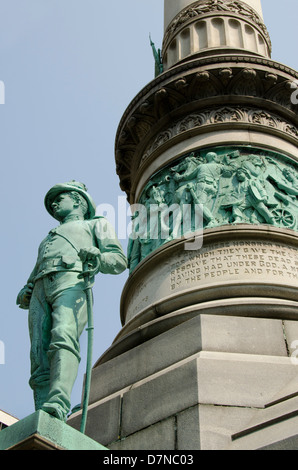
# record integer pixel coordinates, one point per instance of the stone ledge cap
(48, 431)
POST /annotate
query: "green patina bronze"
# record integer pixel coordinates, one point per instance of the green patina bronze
(55, 293)
(49, 432)
(236, 185)
(157, 58)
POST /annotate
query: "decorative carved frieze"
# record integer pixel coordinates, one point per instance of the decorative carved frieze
(229, 185)
(203, 7)
(223, 115)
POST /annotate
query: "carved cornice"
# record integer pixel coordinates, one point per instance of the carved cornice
(219, 116)
(258, 90)
(189, 67)
(201, 8)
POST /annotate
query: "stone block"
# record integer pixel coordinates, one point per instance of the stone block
(268, 417)
(291, 443)
(241, 379)
(103, 421)
(288, 390)
(243, 335)
(188, 429)
(203, 332)
(218, 423)
(291, 336)
(277, 436)
(146, 359)
(164, 395)
(160, 436)
(208, 427)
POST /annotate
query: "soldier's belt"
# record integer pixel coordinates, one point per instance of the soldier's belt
(59, 264)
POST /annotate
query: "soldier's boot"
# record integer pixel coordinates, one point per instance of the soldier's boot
(64, 369)
(40, 394)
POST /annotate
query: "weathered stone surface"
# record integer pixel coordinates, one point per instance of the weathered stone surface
(242, 335)
(269, 416)
(103, 423)
(211, 401)
(160, 436)
(189, 429)
(240, 379)
(217, 424)
(204, 332)
(146, 359)
(153, 400)
(220, 362)
(291, 443)
(291, 337)
(279, 436)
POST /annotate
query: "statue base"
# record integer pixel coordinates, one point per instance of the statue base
(40, 431)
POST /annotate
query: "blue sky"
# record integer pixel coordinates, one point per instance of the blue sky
(70, 69)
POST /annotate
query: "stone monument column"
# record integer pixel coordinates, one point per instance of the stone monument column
(206, 356)
(171, 9)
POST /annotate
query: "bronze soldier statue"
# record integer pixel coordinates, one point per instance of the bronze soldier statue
(55, 295)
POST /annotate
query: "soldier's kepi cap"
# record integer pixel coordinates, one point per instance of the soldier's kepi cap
(67, 187)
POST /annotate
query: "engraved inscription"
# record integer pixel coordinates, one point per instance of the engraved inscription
(235, 261)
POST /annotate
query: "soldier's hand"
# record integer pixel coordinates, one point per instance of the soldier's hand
(24, 296)
(89, 254)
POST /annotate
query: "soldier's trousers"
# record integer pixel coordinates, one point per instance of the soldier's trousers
(57, 317)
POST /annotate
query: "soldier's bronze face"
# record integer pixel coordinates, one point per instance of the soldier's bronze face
(63, 206)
